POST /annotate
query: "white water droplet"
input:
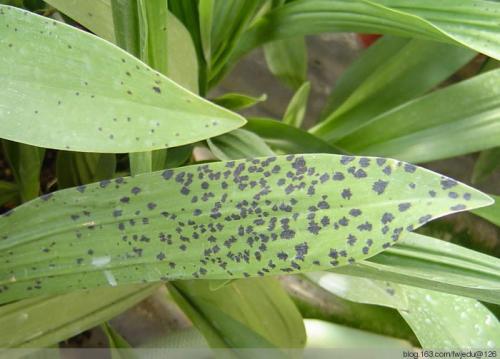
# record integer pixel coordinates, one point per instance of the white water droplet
(101, 261)
(488, 320)
(490, 344)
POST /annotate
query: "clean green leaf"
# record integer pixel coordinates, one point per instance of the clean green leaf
(296, 109)
(321, 334)
(77, 168)
(434, 264)
(491, 213)
(220, 221)
(265, 316)
(93, 14)
(206, 14)
(439, 320)
(430, 127)
(25, 323)
(390, 73)
(127, 26)
(116, 342)
(118, 105)
(238, 144)
(487, 163)
(26, 163)
(287, 60)
(8, 192)
(236, 101)
(471, 23)
(286, 138)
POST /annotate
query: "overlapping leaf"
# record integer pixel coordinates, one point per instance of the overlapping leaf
(93, 96)
(220, 221)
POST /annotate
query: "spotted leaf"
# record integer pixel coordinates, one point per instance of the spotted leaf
(223, 220)
(85, 94)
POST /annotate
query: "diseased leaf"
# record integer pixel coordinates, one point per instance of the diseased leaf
(296, 109)
(468, 113)
(236, 101)
(25, 324)
(253, 217)
(93, 97)
(238, 144)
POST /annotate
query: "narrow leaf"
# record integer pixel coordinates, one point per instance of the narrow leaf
(220, 221)
(388, 74)
(468, 113)
(24, 323)
(238, 144)
(92, 97)
(236, 101)
(8, 192)
(296, 109)
(486, 164)
(434, 264)
(77, 168)
(471, 23)
(491, 213)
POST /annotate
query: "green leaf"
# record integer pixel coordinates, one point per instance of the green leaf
(491, 213)
(208, 220)
(77, 168)
(486, 164)
(93, 14)
(115, 342)
(8, 192)
(390, 73)
(471, 23)
(439, 320)
(434, 264)
(429, 128)
(93, 112)
(296, 109)
(286, 138)
(25, 162)
(25, 323)
(321, 334)
(238, 144)
(265, 316)
(206, 14)
(287, 60)
(236, 101)
(127, 26)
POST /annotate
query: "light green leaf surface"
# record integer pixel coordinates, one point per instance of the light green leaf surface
(486, 164)
(471, 23)
(77, 168)
(26, 163)
(321, 334)
(490, 213)
(116, 342)
(93, 14)
(287, 60)
(439, 320)
(236, 101)
(468, 113)
(206, 14)
(388, 74)
(296, 109)
(127, 26)
(288, 139)
(434, 264)
(239, 144)
(43, 321)
(93, 97)
(265, 316)
(220, 221)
